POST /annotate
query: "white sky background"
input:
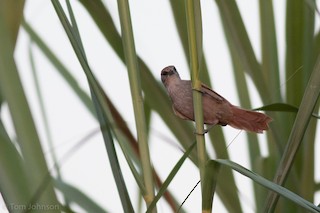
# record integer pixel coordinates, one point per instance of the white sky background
(158, 44)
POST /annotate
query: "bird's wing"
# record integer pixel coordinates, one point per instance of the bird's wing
(179, 114)
(206, 90)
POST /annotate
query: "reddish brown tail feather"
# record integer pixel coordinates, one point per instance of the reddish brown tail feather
(249, 120)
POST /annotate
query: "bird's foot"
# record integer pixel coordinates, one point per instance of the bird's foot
(203, 133)
(205, 130)
(198, 90)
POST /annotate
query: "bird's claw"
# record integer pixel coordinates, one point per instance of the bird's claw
(205, 131)
(198, 90)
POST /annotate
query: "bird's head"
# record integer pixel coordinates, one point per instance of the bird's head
(169, 72)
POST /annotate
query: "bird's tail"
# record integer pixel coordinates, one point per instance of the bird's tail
(249, 120)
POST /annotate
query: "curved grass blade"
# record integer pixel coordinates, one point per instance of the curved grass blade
(270, 64)
(270, 185)
(306, 108)
(170, 177)
(100, 105)
(61, 68)
(279, 107)
(13, 185)
(121, 129)
(29, 142)
(74, 195)
(234, 26)
(210, 182)
(282, 107)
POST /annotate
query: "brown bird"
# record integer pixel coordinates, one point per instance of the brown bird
(216, 109)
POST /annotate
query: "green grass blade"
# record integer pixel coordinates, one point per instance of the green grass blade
(12, 12)
(13, 178)
(210, 182)
(74, 195)
(270, 64)
(234, 26)
(61, 68)
(244, 97)
(239, 43)
(120, 128)
(270, 185)
(122, 132)
(137, 100)
(100, 105)
(116, 171)
(299, 44)
(170, 177)
(28, 139)
(306, 108)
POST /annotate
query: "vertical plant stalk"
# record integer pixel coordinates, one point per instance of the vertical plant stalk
(135, 87)
(194, 36)
(300, 125)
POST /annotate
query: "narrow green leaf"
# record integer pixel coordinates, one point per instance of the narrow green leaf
(234, 26)
(229, 197)
(279, 107)
(12, 91)
(101, 107)
(299, 48)
(270, 64)
(154, 92)
(14, 186)
(120, 127)
(210, 182)
(74, 195)
(170, 177)
(244, 97)
(122, 131)
(306, 108)
(270, 185)
(62, 69)
(12, 14)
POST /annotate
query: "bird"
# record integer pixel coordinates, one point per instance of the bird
(216, 109)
